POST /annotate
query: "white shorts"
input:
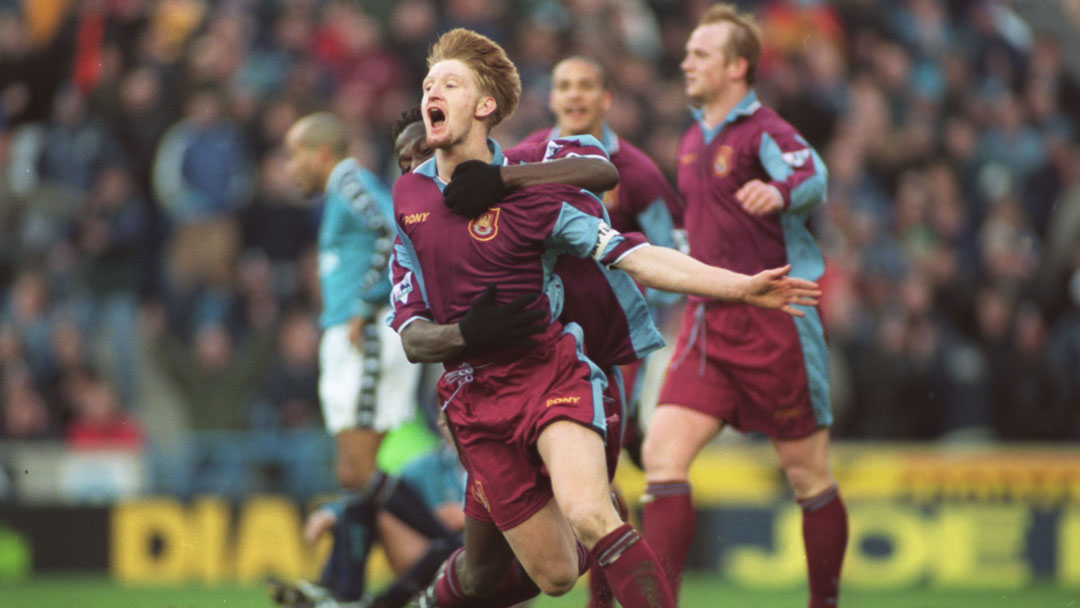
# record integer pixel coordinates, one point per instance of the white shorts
(371, 387)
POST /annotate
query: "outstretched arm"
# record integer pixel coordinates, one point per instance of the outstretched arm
(667, 269)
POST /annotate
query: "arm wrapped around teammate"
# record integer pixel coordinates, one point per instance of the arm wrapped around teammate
(487, 323)
(474, 187)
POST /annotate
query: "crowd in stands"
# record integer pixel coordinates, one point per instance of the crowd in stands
(157, 267)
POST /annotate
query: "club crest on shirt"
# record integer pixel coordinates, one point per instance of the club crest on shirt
(485, 227)
(722, 163)
(611, 198)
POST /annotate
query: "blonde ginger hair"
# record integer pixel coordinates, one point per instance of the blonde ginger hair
(745, 38)
(496, 75)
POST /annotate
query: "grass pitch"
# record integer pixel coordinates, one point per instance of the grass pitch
(700, 591)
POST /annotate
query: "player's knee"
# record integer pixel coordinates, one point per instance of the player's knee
(557, 579)
(351, 476)
(482, 579)
(591, 522)
(658, 461)
(805, 480)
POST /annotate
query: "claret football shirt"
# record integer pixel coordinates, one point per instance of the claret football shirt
(446, 261)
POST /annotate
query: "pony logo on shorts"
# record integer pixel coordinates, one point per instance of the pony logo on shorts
(562, 401)
(722, 163)
(478, 494)
(485, 227)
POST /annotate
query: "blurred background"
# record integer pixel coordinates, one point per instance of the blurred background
(158, 288)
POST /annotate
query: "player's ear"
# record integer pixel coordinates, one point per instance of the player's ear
(737, 68)
(485, 107)
(323, 153)
(609, 100)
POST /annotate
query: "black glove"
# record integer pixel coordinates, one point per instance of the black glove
(487, 323)
(474, 187)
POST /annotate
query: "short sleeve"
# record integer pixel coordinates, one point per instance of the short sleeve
(580, 231)
(406, 295)
(578, 145)
(585, 146)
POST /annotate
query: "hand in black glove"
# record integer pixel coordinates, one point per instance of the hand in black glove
(487, 323)
(474, 187)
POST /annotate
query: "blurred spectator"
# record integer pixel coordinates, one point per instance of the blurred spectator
(98, 419)
(1023, 397)
(289, 396)
(412, 28)
(215, 376)
(26, 415)
(203, 169)
(1064, 355)
(140, 117)
(33, 43)
(27, 313)
(112, 247)
(57, 165)
(276, 222)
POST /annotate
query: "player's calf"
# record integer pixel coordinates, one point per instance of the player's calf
(479, 577)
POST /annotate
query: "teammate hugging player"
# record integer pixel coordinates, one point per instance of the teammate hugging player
(528, 421)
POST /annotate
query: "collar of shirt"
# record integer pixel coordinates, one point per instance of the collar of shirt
(429, 170)
(338, 172)
(608, 139)
(746, 106)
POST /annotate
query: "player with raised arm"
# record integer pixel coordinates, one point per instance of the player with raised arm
(518, 413)
(749, 181)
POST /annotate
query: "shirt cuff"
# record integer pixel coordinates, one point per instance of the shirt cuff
(622, 245)
(401, 327)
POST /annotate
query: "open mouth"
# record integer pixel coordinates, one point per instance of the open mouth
(576, 113)
(437, 116)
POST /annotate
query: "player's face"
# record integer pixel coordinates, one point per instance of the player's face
(411, 147)
(451, 103)
(578, 98)
(706, 68)
(302, 163)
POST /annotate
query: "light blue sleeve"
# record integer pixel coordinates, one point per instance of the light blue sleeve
(656, 223)
(799, 174)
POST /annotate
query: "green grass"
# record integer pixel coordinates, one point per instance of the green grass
(699, 592)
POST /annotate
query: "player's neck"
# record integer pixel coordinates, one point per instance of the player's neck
(474, 147)
(596, 131)
(717, 109)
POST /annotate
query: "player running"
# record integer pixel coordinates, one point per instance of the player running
(749, 181)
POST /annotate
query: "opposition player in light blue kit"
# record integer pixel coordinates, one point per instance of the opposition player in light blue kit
(366, 385)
